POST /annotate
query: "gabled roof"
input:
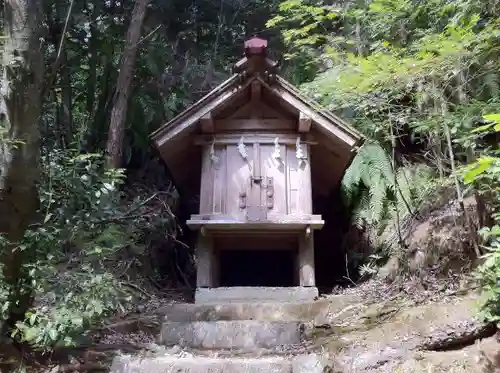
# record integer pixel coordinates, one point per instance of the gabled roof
(255, 84)
(326, 122)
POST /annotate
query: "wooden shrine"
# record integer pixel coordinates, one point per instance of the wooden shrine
(256, 151)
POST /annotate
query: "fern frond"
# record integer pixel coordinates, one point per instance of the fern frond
(360, 214)
(378, 198)
(422, 182)
(352, 177)
(403, 190)
(378, 160)
(369, 176)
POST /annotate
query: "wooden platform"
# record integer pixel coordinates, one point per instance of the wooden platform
(271, 222)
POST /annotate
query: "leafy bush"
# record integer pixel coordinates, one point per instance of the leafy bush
(411, 76)
(489, 273)
(80, 231)
(484, 175)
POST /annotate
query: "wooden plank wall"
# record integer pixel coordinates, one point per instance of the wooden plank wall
(238, 172)
(224, 180)
(299, 199)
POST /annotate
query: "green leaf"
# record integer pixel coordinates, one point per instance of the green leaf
(98, 309)
(483, 128)
(29, 334)
(53, 334)
(477, 169)
(492, 117)
(495, 118)
(77, 321)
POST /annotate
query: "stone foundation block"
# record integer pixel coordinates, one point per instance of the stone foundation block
(242, 294)
(244, 335)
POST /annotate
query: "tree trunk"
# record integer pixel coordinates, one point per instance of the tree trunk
(359, 39)
(93, 59)
(20, 102)
(119, 112)
(65, 125)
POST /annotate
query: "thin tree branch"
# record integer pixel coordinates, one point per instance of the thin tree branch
(144, 38)
(57, 62)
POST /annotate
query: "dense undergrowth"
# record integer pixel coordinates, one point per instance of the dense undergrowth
(420, 79)
(86, 243)
(484, 174)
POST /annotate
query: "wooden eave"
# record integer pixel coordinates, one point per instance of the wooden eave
(327, 123)
(192, 114)
(323, 118)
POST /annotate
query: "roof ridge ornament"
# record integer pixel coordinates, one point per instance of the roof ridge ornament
(255, 46)
(255, 61)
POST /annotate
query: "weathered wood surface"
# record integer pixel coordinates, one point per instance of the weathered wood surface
(236, 186)
(279, 222)
(253, 107)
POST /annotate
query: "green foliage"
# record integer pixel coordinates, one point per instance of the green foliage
(68, 310)
(85, 227)
(305, 35)
(80, 231)
(484, 175)
(494, 120)
(404, 73)
(489, 274)
(405, 63)
(377, 195)
(308, 21)
(371, 170)
(185, 50)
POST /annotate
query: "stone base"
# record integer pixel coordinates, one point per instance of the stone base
(240, 294)
(171, 364)
(318, 311)
(242, 335)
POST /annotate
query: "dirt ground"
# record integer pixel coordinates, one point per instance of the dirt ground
(371, 329)
(398, 336)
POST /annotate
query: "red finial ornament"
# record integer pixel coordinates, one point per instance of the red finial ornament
(255, 46)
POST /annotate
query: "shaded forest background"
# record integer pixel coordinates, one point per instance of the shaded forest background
(89, 215)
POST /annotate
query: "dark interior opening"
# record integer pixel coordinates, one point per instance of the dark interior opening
(334, 255)
(257, 268)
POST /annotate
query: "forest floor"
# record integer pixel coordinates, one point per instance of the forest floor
(372, 328)
(408, 334)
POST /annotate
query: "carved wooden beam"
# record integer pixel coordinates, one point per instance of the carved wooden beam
(304, 123)
(207, 123)
(256, 90)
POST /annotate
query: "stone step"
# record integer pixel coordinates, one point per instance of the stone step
(243, 334)
(316, 312)
(172, 364)
(241, 294)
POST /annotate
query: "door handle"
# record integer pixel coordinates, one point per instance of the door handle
(270, 193)
(243, 200)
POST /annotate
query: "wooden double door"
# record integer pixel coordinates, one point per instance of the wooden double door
(255, 181)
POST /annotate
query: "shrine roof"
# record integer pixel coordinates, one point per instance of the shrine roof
(327, 123)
